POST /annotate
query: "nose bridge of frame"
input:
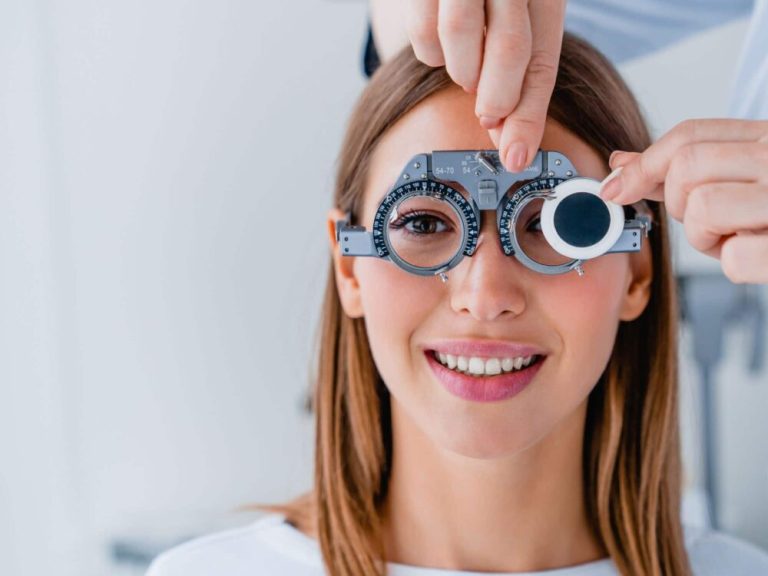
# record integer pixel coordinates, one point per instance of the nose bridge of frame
(482, 175)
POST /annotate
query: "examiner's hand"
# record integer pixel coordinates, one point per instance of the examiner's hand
(713, 177)
(505, 50)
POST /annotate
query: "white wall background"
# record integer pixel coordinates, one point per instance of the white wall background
(165, 168)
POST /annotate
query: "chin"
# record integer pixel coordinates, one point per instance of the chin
(483, 441)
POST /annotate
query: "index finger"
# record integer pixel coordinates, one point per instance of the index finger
(524, 127)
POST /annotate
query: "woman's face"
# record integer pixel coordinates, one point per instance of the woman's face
(489, 296)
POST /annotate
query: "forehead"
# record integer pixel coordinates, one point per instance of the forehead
(447, 121)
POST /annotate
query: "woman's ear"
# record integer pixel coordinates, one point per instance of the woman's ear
(344, 270)
(638, 288)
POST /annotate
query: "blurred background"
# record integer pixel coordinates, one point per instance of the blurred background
(165, 171)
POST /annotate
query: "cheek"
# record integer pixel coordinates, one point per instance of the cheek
(587, 313)
(584, 312)
(395, 303)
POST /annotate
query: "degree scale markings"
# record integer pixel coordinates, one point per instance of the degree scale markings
(509, 208)
(431, 188)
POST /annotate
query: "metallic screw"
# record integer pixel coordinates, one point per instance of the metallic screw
(558, 162)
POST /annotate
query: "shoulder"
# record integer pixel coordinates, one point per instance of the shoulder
(266, 546)
(714, 553)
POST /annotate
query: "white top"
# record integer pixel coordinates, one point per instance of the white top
(623, 30)
(270, 546)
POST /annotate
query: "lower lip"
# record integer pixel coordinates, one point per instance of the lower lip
(483, 388)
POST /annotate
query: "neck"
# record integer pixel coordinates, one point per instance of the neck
(520, 513)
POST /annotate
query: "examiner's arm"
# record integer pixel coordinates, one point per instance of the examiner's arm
(626, 30)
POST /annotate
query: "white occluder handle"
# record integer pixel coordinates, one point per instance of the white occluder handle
(610, 177)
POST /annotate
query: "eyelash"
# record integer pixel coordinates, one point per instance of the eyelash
(413, 215)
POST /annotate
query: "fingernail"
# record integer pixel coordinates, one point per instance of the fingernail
(615, 156)
(610, 188)
(489, 122)
(516, 157)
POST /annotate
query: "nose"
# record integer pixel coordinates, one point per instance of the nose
(489, 284)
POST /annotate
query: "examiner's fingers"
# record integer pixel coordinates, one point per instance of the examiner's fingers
(721, 209)
(710, 162)
(460, 28)
(743, 258)
(650, 168)
(421, 22)
(524, 127)
(621, 158)
(618, 160)
(505, 58)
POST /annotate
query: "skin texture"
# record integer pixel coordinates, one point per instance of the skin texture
(486, 486)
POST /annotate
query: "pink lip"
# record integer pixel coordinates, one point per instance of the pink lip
(484, 388)
(486, 348)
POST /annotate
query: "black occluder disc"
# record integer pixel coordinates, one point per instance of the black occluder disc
(582, 219)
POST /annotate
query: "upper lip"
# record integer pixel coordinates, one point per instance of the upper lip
(488, 348)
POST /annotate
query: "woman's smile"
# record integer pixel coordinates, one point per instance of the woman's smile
(483, 370)
(480, 384)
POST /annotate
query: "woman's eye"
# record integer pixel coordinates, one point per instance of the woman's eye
(535, 225)
(425, 225)
(420, 224)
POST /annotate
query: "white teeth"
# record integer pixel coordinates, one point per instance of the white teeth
(493, 366)
(483, 366)
(476, 366)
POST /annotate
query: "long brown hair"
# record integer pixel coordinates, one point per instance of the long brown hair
(632, 463)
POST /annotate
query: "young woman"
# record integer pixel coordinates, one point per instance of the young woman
(578, 473)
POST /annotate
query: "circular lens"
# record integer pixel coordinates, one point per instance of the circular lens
(582, 219)
(424, 231)
(530, 237)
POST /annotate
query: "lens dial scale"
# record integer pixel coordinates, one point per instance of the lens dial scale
(399, 226)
